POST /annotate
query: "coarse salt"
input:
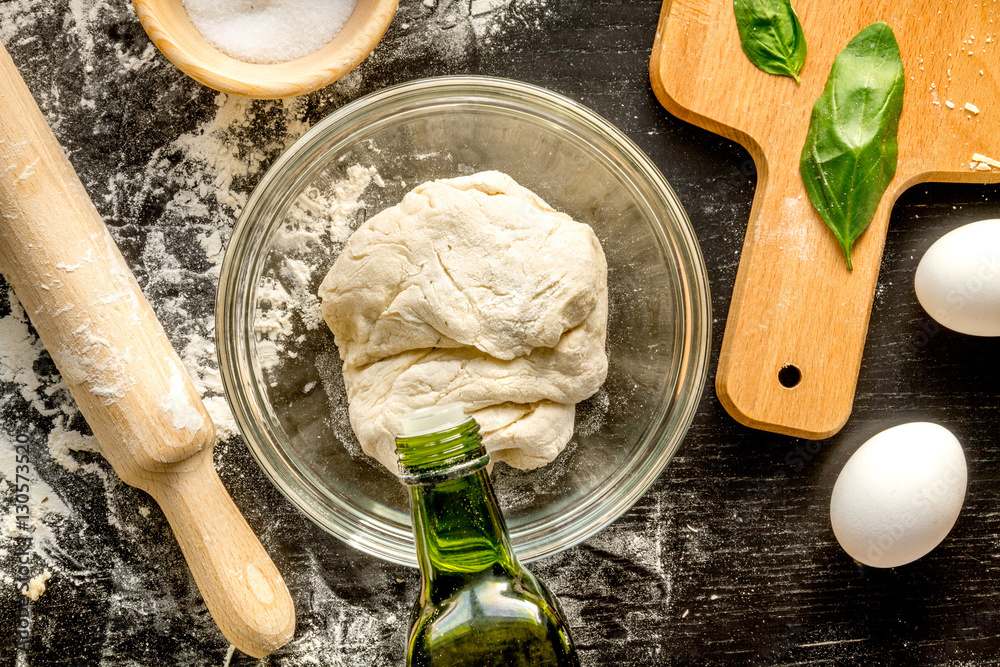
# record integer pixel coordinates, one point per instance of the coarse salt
(269, 31)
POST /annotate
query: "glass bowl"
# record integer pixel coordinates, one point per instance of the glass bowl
(292, 407)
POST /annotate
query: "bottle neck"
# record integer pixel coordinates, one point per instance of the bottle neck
(458, 528)
(457, 524)
(428, 458)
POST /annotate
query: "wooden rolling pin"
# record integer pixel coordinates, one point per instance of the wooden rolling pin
(121, 369)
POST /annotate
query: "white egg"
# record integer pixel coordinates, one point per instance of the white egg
(899, 494)
(958, 279)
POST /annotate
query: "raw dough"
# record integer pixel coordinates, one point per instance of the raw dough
(474, 290)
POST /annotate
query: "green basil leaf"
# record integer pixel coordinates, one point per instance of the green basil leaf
(771, 35)
(849, 156)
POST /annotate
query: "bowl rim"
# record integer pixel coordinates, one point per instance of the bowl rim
(177, 39)
(692, 343)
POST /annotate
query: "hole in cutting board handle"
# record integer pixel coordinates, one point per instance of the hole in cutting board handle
(789, 376)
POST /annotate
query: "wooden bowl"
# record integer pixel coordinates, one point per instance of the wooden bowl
(169, 27)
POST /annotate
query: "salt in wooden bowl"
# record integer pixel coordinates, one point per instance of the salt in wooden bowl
(171, 30)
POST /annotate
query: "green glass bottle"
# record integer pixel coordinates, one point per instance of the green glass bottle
(478, 606)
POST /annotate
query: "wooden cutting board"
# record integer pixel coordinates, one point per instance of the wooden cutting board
(795, 305)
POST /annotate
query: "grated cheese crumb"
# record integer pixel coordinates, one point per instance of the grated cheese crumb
(978, 157)
(969, 106)
(37, 585)
(982, 166)
(949, 104)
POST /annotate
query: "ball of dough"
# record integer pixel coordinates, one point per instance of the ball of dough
(474, 290)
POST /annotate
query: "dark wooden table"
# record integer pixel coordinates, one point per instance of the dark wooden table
(728, 559)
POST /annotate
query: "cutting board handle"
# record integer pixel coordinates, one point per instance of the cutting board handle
(125, 376)
(798, 318)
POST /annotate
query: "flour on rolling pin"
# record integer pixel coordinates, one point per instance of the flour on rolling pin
(124, 374)
(178, 404)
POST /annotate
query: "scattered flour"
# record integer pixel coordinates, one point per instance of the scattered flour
(173, 209)
(211, 243)
(63, 441)
(318, 217)
(46, 510)
(182, 412)
(198, 357)
(490, 18)
(19, 350)
(222, 417)
(210, 171)
(287, 295)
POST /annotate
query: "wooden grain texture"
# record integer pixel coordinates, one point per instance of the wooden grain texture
(794, 302)
(126, 378)
(170, 29)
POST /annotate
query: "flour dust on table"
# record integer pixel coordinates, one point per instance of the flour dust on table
(170, 165)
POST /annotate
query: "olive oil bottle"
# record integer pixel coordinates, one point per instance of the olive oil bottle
(478, 606)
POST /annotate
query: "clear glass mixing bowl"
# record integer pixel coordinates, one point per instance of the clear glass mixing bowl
(293, 411)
